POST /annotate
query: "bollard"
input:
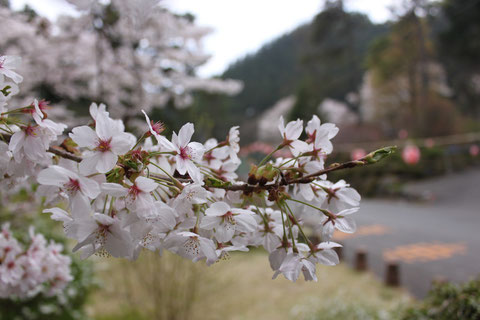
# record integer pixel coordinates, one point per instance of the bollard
(361, 260)
(392, 274)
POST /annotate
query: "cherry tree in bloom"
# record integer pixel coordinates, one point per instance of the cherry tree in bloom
(134, 55)
(117, 195)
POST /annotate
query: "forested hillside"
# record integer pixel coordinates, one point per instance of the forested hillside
(422, 66)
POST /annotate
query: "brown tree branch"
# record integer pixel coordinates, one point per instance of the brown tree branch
(371, 158)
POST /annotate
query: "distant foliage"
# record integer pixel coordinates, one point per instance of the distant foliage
(448, 301)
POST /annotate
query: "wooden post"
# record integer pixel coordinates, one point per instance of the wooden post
(392, 274)
(361, 260)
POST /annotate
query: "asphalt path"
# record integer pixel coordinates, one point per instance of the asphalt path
(438, 238)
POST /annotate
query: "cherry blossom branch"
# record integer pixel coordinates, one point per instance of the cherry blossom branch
(54, 149)
(370, 158)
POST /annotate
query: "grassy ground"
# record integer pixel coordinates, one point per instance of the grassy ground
(239, 288)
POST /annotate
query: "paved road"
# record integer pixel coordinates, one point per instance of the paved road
(439, 238)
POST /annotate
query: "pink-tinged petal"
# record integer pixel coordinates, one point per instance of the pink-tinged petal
(217, 209)
(88, 241)
(165, 220)
(148, 123)
(350, 196)
(328, 245)
(242, 211)
(84, 227)
(225, 231)
(209, 222)
(80, 204)
(346, 224)
(327, 231)
(106, 161)
(12, 62)
(89, 187)
(104, 126)
(52, 177)
(331, 128)
(12, 75)
(165, 144)
(281, 126)
(38, 112)
(297, 147)
(103, 219)
(93, 109)
(246, 223)
(121, 144)
(276, 258)
(196, 151)
(145, 184)
(294, 129)
(118, 242)
(194, 172)
(88, 164)
(34, 148)
(327, 257)
(181, 165)
(313, 125)
(114, 189)
(271, 242)
(16, 141)
(306, 192)
(185, 134)
(208, 249)
(309, 271)
(347, 212)
(58, 214)
(84, 136)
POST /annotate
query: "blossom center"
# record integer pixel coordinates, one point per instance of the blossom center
(186, 153)
(228, 217)
(331, 193)
(104, 145)
(157, 127)
(72, 186)
(192, 246)
(29, 130)
(133, 191)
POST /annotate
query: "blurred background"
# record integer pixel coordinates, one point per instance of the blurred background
(403, 73)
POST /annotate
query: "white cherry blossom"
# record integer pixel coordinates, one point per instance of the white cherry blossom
(226, 221)
(105, 144)
(291, 134)
(187, 153)
(7, 65)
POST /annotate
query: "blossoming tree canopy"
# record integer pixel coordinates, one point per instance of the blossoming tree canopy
(134, 54)
(120, 194)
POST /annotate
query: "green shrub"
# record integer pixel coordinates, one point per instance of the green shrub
(447, 301)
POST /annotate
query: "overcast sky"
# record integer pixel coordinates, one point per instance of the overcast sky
(241, 26)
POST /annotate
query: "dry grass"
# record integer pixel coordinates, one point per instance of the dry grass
(239, 288)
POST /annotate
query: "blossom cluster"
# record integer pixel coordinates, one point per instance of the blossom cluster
(41, 268)
(117, 195)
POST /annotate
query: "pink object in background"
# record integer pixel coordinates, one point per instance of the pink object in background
(411, 154)
(474, 150)
(429, 143)
(358, 154)
(403, 134)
